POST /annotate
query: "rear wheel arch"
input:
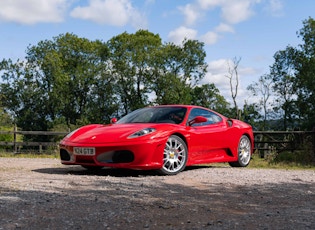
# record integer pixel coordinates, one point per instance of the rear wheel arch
(244, 152)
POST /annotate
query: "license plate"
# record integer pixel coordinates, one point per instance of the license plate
(84, 151)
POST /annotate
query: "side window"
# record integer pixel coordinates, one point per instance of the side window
(211, 117)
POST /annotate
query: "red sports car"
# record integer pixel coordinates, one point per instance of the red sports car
(167, 138)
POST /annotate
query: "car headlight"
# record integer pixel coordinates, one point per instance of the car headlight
(142, 132)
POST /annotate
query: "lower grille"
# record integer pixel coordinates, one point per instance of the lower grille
(119, 156)
(123, 156)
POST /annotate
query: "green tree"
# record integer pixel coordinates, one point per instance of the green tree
(178, 69)
(69, 69)
(250, 114)
(262, 89)
(168, 84)
(23, 95)
(305, 78)
(293, 73)
(208, 95)
(70, 81)
(283, 74)
(59, 80)
(131, 58)
(5, 118)
(104, 103)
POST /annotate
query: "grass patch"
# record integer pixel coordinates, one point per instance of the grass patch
(29, 155)
(274, 163)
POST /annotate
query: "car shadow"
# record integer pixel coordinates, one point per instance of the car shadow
(78, 170)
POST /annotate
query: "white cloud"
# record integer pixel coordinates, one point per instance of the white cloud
(110, 12)
(231, 12)
(234, 12)
(191, 14)
(33, 11)
(206, 4)
(224, 28)
(216, 73)
(275, 8)
(178, 35)
(210, 38)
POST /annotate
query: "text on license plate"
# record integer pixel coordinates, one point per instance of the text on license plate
(84, 151)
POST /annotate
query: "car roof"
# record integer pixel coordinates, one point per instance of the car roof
(189, 107)
(179, 105)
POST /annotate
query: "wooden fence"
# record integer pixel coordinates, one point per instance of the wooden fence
(265, 141)
(17, 146)
(280, 141)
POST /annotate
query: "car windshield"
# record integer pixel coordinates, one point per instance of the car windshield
(173, 115)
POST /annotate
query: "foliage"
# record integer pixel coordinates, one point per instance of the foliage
(6, 137)
(258, 162)
(70, 81)
(5, 119)
(58, 80)
(298, 158)
(293, 74)
(131, 58)
(263, 88)
(283, 73)
(69, 69)
(251, 115)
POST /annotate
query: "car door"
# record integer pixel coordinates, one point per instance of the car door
(207, 139)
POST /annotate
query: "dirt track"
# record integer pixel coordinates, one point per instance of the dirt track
(43, 194)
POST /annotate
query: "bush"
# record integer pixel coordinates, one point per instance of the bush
(6, 137)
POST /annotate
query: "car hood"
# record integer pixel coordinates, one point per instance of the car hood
(95, 134)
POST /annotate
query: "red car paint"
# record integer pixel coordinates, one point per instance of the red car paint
(114, 145)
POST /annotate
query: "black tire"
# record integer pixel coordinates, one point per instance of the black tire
(244, 151)
(174, 156)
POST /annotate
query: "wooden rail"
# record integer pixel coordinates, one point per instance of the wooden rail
(18, 145)
(279, 141)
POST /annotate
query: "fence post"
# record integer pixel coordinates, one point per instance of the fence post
(14, 139)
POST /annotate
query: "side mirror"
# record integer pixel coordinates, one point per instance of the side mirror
(229, 122)
(113, 120)
(196, 120)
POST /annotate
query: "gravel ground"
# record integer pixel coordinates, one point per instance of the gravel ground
(43, 194)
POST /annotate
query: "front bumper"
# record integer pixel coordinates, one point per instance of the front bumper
(133, 155)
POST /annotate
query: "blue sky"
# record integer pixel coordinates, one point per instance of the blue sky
(252, 30)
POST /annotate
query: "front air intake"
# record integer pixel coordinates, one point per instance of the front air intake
(64, 155)
(122, 156)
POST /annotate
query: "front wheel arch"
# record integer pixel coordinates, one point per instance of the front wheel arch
(175, 156)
